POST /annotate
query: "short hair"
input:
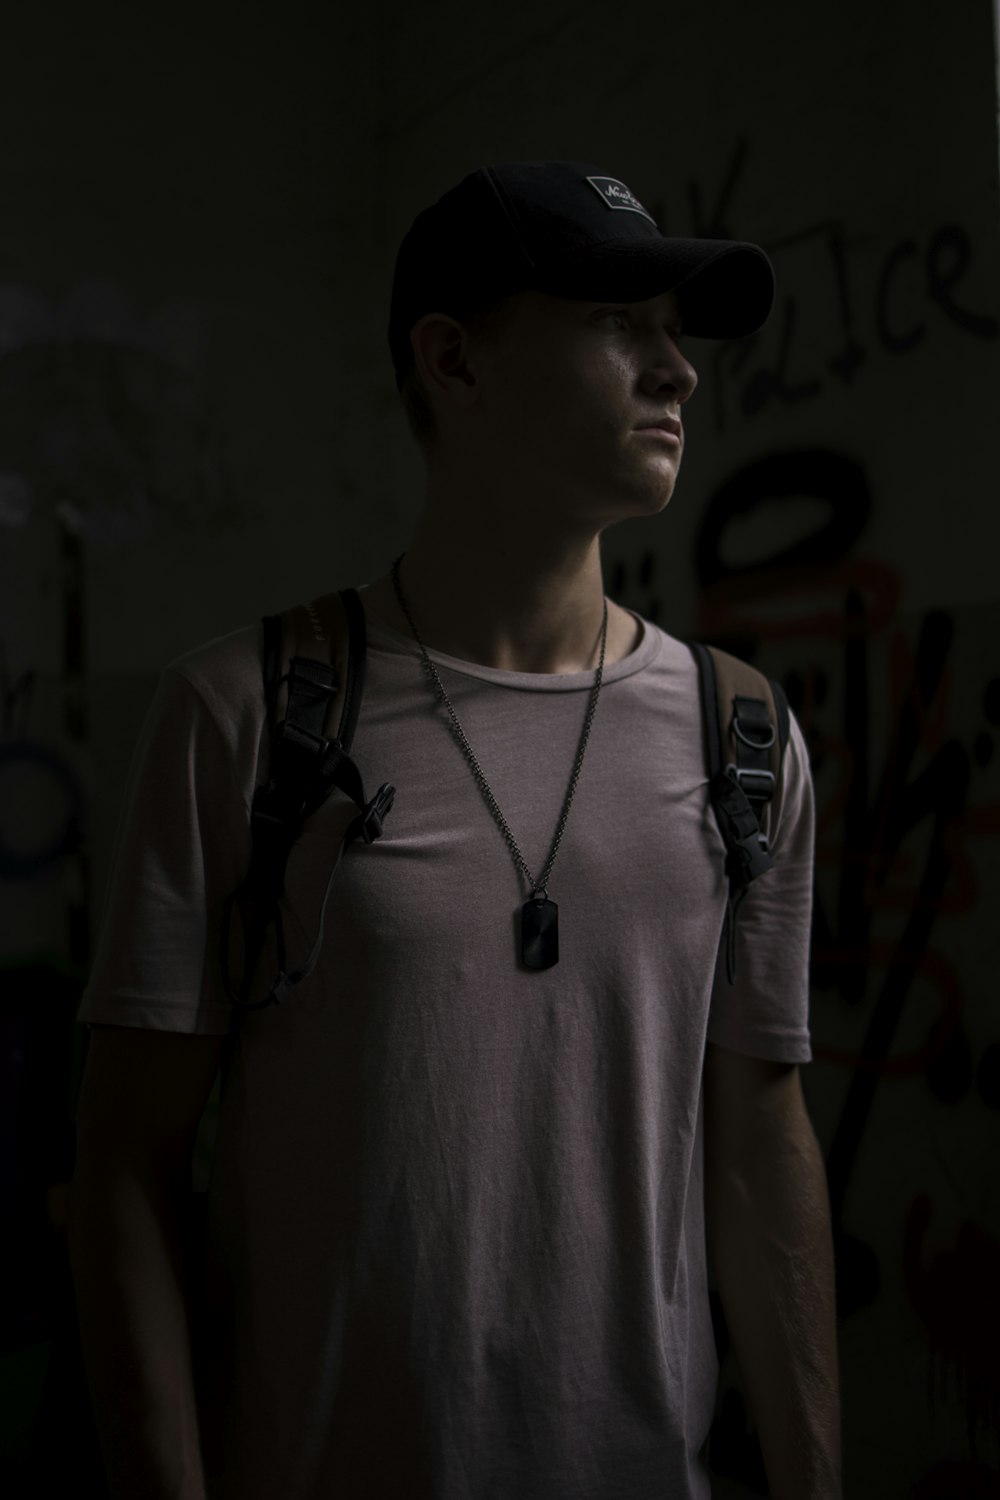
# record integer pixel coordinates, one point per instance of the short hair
(484, 325)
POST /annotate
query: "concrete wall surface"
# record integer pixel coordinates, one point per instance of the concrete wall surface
(199, 214)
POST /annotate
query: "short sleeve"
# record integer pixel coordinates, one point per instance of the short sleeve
(766, 1012)
(183, 845)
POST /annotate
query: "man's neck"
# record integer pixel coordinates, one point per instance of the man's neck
(519, 610)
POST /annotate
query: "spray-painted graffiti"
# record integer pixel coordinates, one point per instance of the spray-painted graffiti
(753, 373)
(871, 813)
(886, 306)
(105, 429)
(900, 818)
(37, 1012)
(41, 796)
(15, 699)
(42, 826)
(956, 1298)
(896, 821)
(49, 818)
(104, 419)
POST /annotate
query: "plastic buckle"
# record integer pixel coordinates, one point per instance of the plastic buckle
(299, 738)
(374, 814)
(320, 676)
(753, 783)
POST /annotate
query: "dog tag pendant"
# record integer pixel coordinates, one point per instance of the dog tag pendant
(539, 933)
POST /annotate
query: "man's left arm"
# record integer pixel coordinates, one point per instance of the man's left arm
(770, 1242)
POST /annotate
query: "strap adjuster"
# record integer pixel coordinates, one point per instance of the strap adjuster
(758, 784)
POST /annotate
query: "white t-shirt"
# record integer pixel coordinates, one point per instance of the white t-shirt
(456, 1218)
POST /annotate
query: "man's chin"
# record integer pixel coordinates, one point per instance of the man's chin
(646, 502)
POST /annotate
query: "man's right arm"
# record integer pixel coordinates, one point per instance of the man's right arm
(142, 1097)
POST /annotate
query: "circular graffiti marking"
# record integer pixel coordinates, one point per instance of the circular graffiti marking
(41, 809)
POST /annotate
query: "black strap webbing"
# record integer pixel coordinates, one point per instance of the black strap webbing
(304, 768)
(271, 657)
(357, 650)
(709, 709)
(743, 756)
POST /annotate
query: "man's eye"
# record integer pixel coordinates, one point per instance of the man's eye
(625, 321)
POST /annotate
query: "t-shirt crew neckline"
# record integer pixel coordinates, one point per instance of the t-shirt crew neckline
(382, 637)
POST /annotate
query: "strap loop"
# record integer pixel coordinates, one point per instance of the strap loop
(752, 723)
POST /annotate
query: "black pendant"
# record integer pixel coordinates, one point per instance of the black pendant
(539, 933)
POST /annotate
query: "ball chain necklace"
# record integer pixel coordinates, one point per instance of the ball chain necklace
(539, 915)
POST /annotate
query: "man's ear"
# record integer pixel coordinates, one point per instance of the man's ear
(441, 355)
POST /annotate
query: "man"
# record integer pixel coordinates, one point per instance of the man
(467, 1173)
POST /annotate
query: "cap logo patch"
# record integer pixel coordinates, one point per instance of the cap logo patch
(616, 195)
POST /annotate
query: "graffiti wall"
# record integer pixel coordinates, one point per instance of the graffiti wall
(900, 708)
(104, 439)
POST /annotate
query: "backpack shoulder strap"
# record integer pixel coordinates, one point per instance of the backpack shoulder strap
(746, 726)
(314, 660)
(313, 664)
(746, 721)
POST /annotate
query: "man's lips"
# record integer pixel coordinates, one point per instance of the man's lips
(666, 428)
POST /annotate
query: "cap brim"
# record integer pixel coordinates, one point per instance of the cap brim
(725, 288)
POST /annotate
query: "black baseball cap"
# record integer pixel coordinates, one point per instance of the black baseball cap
(570, 230)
